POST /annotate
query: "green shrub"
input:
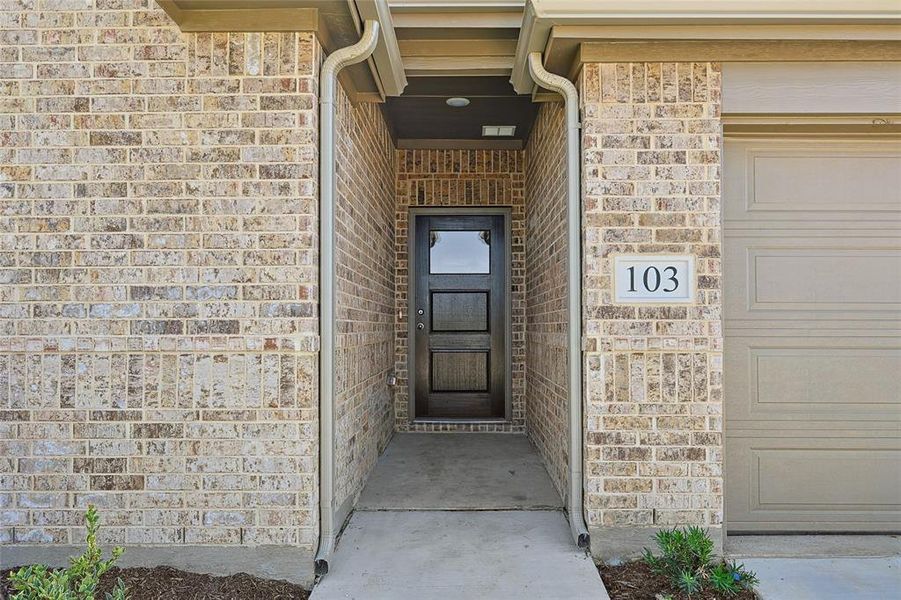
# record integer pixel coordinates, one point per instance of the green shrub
(686, 560)
(77, 582)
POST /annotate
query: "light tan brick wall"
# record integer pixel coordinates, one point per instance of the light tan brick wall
(158, 316)
(651, 184)
(461, 178)
(546, 298)
(364, 250)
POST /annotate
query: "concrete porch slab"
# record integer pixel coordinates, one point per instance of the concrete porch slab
(459, 471)
(502, 555)
(827, 578)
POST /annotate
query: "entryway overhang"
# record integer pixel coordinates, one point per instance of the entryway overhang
(433, 40)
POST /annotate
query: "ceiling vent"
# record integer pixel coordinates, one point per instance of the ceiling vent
(498, 130)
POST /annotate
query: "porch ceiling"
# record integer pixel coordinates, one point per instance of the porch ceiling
(461, 48)
(422, 118)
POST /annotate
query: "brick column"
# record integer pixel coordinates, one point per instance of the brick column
(653, 374)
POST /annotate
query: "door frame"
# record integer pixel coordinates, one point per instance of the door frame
(506, 213)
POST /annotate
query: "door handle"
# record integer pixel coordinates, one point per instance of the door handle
(420, 326)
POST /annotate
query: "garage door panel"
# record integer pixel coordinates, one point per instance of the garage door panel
(789, 379)
(790, 478)
(813, 484)
(812, 326)
(781, 179)
(824, 179)
(825, 279)
(797, 277)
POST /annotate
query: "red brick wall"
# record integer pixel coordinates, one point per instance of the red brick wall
(547, 327)
(364, 251)
(461, 178)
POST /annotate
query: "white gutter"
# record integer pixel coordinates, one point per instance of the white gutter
(565, 88)
(331, 516)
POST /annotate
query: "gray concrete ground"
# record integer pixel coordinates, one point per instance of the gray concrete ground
(827, 578)
(459, 555)
(476, 516)
(459, 471)
(822, 567)
(461, 516)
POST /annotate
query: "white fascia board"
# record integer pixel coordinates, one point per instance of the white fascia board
(721, 11)
(389, 66)
(455, 5)
(533, 36)
(540, 16)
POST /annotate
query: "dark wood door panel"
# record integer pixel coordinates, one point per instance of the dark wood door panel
(459, 312)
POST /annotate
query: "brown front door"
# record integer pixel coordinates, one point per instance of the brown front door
(459, 316)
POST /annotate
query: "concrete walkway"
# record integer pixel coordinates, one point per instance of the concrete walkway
(436, 555)
(459, 516)
(827, 578)
(821, 567)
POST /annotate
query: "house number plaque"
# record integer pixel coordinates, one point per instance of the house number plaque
(654, 279)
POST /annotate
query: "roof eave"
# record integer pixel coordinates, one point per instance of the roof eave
(540, 16)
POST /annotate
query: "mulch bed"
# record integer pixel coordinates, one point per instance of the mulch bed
(166, 583)
(635, 581)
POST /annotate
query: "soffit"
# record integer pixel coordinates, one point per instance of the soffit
(422, 113)
(464, 38)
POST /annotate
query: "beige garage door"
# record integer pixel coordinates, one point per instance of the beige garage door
(812, 310)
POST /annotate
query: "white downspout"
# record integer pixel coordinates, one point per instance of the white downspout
(328, 82)
(565, 88)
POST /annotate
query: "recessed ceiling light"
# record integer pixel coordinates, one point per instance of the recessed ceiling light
(498, 130)
(458, 102)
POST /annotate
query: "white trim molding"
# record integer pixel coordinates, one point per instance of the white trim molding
(388, 65)
(575, 21)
